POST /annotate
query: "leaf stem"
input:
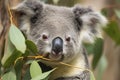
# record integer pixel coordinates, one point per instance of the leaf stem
(41, 57)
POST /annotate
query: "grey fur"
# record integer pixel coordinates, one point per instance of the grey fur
(40, 19)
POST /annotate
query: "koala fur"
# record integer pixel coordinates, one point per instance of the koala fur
(69, 27)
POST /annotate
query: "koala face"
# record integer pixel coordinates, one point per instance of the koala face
(58, 32)
(55, 33)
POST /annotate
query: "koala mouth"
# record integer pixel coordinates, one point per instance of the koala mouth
(54, 57)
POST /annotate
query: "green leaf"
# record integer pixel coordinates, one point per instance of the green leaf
(18, 69)
(17, 38)
(98, 49)
(10, 61)
(113, 31)
(9, 49)
(31, 46)
(27, 53)
(9, 76)
(101, 67)
(35, 69)
(104, 11)
(10, 55)
(43, 76)
(89, 48)
(92, 77)
(117, 12)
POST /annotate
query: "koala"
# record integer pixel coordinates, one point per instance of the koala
(59, 33)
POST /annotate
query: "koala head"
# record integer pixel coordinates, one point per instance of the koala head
(58, 32)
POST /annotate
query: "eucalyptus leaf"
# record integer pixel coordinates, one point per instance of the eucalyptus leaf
(35, 69)
(17, 38)
(43, 76)
(92, 77)
(117, 12)
(9, 75)
(31, 46)
(9, 49)
(18, 69)
(104, 11)
(89, 48)
(10, 61)
(98, 49)
(27, 53)
(113, 31)
(102, 65)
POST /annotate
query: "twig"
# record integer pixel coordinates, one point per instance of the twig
(41, 57)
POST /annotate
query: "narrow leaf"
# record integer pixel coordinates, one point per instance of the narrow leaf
(43, 76)
(31, 46)
(92, 76)
(113, 31)
(35, 69)
(9, 49)
(10, 54)
(18, 69)
(17, 38)
(9, 76)
(117, 13)
(98, 48)
(10, 61)
(101, 67)
(89, 48)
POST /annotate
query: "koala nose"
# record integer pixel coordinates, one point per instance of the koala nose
(57, 46)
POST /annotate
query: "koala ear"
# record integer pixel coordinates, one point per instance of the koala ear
(27, 12)
(28, 7)
(92, 23)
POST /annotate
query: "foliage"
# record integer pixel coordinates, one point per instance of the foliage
(36, 72)
(117, 13)
(98, 48)
(95, 49)
(16, 46)
(113, 31)
(9, 75)
(101, 67)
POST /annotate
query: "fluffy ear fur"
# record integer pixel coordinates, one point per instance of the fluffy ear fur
(28, 7)
(27, 12)
(92, 23)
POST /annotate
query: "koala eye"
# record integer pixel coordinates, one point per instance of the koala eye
(34, 19)
(22, 14)
(68, 39)
(44, 37)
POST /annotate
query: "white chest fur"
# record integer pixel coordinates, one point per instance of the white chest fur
(66, 71)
